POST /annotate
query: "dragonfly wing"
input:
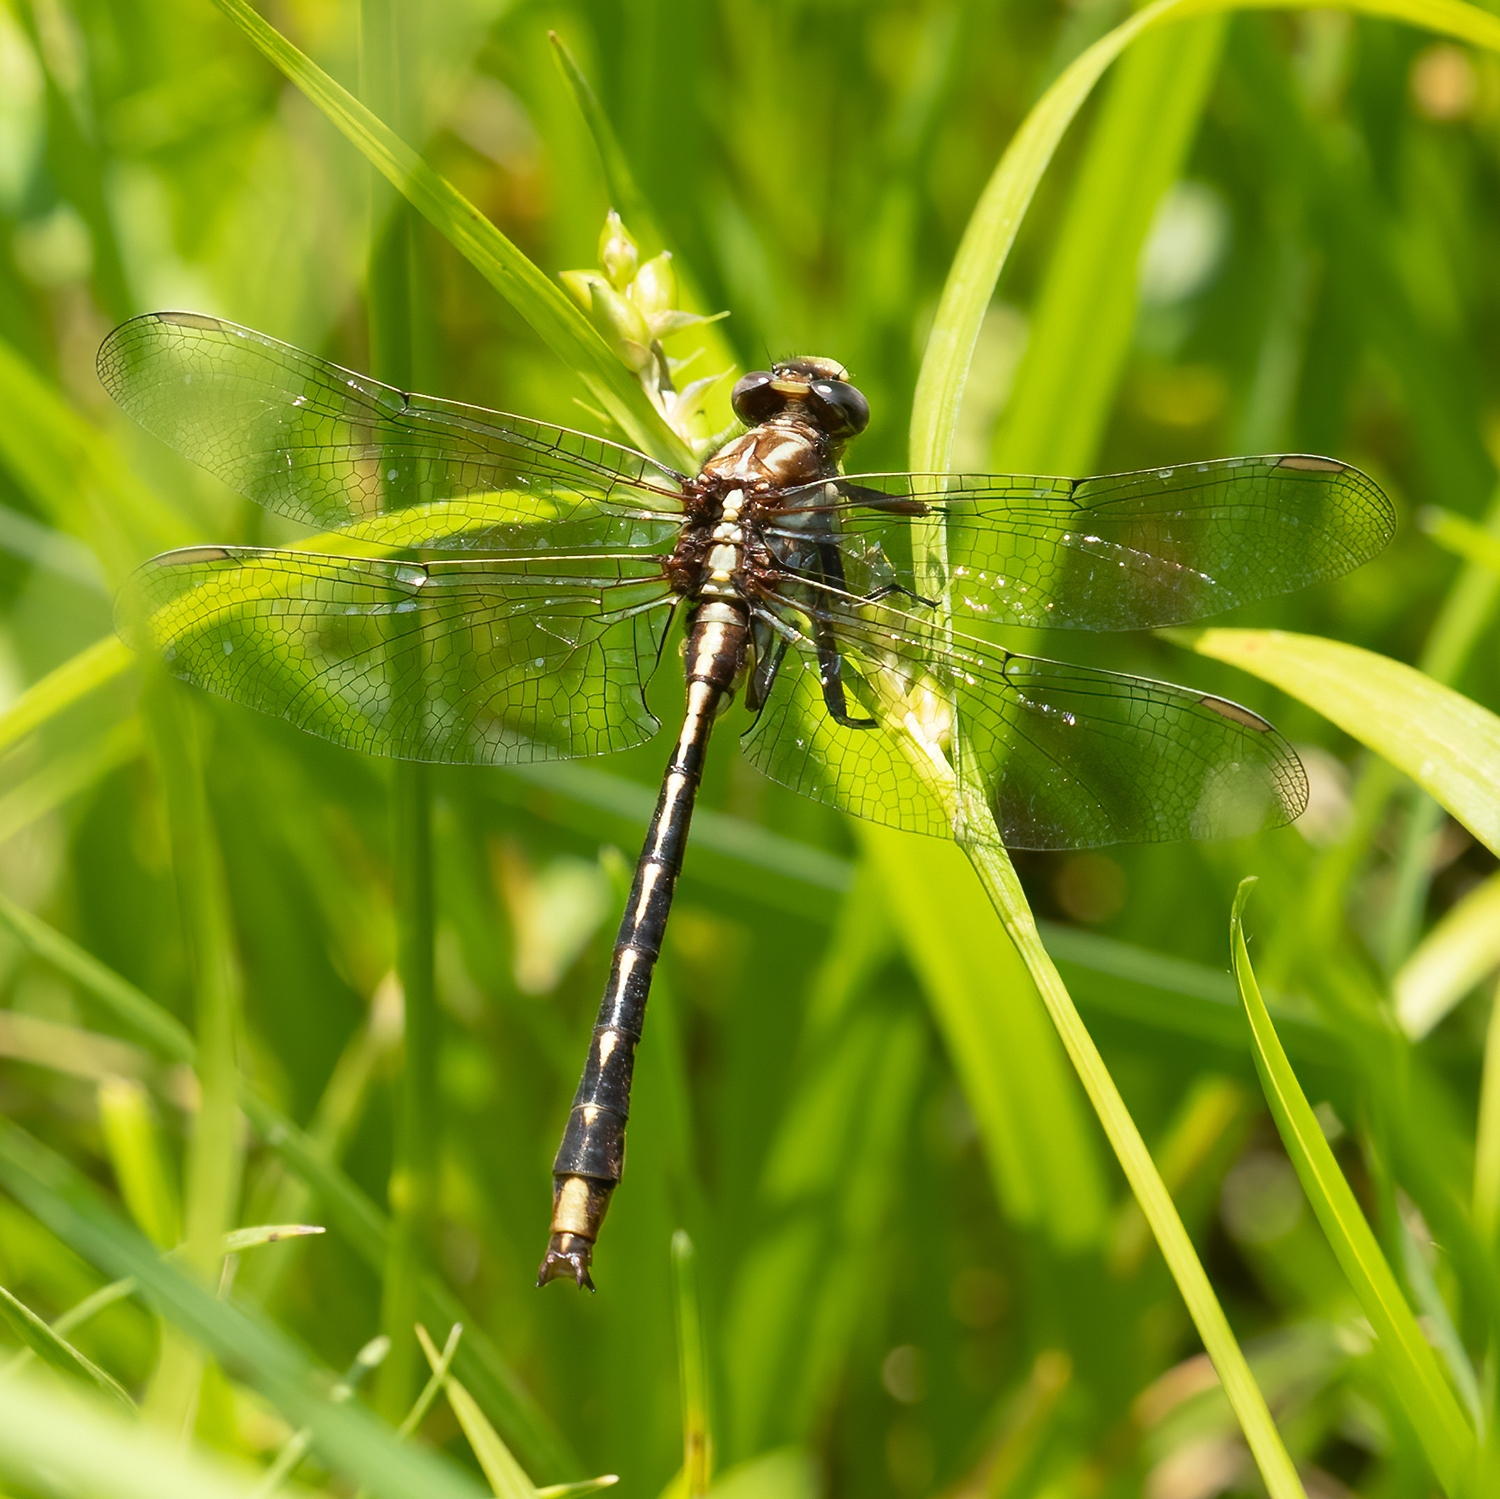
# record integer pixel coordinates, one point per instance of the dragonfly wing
(333, 448)
(1064, 756)
(1071, 757)
(866, 772)
(459, 662)
(1119, 552)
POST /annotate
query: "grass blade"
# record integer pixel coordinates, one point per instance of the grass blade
(992, 228)
(349, 1209)
(55, 1350)
(697, 1441)
(1004, 890)
(1486, 1207)
(132, 1140)
(63, 686)
(87, 1450)
(1459, 535)
(1445, 742)
(347, 1438)
(1413, 1372)
(1085, 314)
(535, 296)
(507, 1477)
(1041, 1152)
(435, 1380)
(1455, 955)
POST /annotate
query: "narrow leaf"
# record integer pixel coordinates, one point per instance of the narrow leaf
(63, 686)
(697, 1441)
(1459, 535)
(352, 1212)
(250, 1348)
(86, 1450)
(1454, 956)
(267, 1233)
(992, 228)
(1445, 742)
(577, 1490)
(1041, 1152)
(1415, 1378)
(429, 1392)
(533, 294)
(133, 1141)
(507, 1477)
(55, 1350)
(1003, 887)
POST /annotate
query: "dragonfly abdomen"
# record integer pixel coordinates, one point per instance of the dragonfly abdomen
(591, 1158)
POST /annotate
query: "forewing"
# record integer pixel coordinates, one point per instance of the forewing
(1120, 552)
(1064, 756)
(332, 448)
(460, 662)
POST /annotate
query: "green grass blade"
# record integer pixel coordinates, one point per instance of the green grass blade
(1459, 535)
(347, 1438)
(578, 1490)
(625, 196)
(63, 776)
(1454, 956)
(1085, 314)
(100, 663)
(1486, 1207)
(1445, 742)
(133, 1142)
(429, 1391)
(241, 1239)
(507, 1477)
(91, 1306)
(1036, 1136)
(1415, 1378)
(1001, 884)
(87, 1450)
(697, 1441)
(349, 1210)
(55, 1350)
(536, 297)
(75, 475)
(212, 1175)
(630, 203)
(992, 228)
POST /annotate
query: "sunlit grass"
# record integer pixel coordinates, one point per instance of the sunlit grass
(907, 1261)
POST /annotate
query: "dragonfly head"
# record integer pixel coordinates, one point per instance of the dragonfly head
(815, 390)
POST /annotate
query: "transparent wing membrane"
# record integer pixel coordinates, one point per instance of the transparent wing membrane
(1120, 552)
(465, 662)
(490, 589)
(1064, 756)
(333, 449)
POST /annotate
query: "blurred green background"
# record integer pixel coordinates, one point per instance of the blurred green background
(920, 1269)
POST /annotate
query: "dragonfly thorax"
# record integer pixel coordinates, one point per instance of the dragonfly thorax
(782, 453)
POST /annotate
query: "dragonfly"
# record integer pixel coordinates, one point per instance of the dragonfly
(485, 589)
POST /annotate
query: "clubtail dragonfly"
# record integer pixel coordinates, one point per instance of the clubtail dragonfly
(488, 590)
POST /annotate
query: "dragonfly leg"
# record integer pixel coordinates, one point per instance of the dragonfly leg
(830, 658)
(591, 1158)
(887, 589)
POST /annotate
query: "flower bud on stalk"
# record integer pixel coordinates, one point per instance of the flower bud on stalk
(634, 307)
(618, 255)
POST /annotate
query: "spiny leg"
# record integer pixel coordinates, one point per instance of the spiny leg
(830, 658)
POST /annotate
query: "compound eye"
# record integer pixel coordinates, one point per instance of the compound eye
(754, 400)
(838, 408)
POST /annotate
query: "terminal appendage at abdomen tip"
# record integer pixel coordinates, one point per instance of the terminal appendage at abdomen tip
(578, 1207)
